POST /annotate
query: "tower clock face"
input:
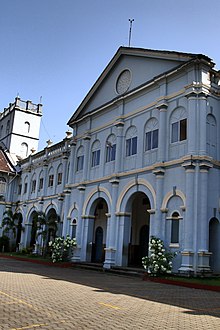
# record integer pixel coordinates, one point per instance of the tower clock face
(123, 82)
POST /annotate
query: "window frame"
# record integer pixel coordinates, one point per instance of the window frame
(131, 146)
(96, 157)
(79, 163)
(59, 178)
(50, 180)
(175, 229)
(110, 152)
(151, 139)
(179, 131)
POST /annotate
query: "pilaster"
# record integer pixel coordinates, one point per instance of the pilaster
(157, 223)
(111, 238)
(162, 107)
(120, 127)
(187, 265)
(86, 139)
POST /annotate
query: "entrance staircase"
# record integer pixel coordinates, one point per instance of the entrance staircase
(125, 271)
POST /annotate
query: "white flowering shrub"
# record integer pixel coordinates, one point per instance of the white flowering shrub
(159, 262)
(62, 248)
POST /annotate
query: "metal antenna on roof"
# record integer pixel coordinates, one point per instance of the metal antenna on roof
(131, 20)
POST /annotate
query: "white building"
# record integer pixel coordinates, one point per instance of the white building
(143, 160)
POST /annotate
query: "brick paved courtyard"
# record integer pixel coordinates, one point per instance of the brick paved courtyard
(43, 297)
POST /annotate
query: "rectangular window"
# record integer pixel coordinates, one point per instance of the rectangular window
(179, 131)
(151, 140)
(175, 231)
(155, 139)
(183, 129)
(59, 178)
(50, 182)
(25, 188)
(80, 163)
(148, 141)
(41, 183)
(110, 153)
(95, 158)
(33, 186)
(131, 146)
(174, 134)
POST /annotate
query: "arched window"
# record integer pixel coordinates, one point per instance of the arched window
(33, 184)
(59, 174)
(175, 228)
(80, 159)
(73, 225)
(41, 181)
(27, 126)
(110, 148)
(51, 177)
(131, 141)
(96, 149)
(24, 150)
(211, 132)
(178, 125)
(25, 185)
(151, 134)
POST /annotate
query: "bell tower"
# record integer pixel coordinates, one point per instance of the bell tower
(20, 127)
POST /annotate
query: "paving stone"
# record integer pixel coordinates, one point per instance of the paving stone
(36, 296)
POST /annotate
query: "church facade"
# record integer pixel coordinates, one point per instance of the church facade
(142, 160)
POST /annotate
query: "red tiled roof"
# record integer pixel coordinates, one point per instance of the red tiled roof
(5, 166)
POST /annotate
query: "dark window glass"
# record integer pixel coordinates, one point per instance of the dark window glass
(183, 129)
(59, 178)
(148, 141)
(95, 158)
(41, 183)
(80, 163)
(33, 187)
(155, 139)
(174, 137)
(50, 182)
(131, 146)
(175, 228)
(110, 153)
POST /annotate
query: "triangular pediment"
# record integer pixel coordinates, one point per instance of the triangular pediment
(129, 69)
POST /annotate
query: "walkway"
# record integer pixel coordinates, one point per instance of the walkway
(36, 296)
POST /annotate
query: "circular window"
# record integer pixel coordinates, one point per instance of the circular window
(123, 82)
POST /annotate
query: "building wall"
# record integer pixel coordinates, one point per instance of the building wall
(174, 182)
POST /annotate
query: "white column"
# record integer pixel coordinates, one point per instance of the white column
(202, 123)
(119, 153)
(86, 157)
(111, 228)
(162, 131)
(188, 252)
(203, 225)
(124, 238)
(157, 226)
(79, 255)
(70, 179)
(192, 123)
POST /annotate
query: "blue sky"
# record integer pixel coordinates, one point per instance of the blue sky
(58, 48)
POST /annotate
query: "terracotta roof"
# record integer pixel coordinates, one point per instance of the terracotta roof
(5, 165)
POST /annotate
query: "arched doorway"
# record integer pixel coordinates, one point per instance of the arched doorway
(139, 231)
(19, 229)
(33, 232)
(51, 225)
(214, 244)
(99, 231)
